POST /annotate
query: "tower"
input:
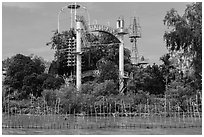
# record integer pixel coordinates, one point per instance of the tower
(134, 34)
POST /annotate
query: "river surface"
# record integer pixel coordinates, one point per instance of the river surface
(103, 125)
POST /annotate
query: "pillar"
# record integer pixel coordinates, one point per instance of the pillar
(121, 33)
(121, 63)
(78, 55)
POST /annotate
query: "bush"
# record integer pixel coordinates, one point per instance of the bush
(50, 97)
(87, 88)
(106, 88)
(140, 98)
(179, 92)
(53, 83)
(69, 98)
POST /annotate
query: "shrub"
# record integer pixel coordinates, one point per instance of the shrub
(87, 88)
(53, 83)
(69, 99)
(50, 97)
(140, 98)
(179, 93)
(106, 88)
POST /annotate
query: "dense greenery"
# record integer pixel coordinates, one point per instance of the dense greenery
(186, 34)
(149, 79)
(25, 75)
(90, 57)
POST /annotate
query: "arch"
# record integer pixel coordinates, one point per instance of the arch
(105, 29)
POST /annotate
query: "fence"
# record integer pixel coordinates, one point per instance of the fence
(159, 114)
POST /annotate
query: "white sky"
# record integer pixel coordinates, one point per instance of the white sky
(26, 27)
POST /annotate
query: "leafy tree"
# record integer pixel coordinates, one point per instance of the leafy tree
(156, 83)
(106, 88)
(25, 75)
(186, 34)
(52, 82)
(166, 68)
(71, 100)
(20, 67)
(31, 85)
(108, 70)
(50, 97)
(88, 87)
(149, 79)
(59, 42)
(6, 62)
(178, 92)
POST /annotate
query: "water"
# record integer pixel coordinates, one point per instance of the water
(94, 122)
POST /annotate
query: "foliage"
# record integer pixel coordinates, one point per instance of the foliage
(25, 75)
(179, 93)
(21, 70)
(106, 88)
(90, 56)
(59, 42)
(149, 79)
(52, 82)
(31, 85)
(6, 62)
(107, 70)
(156, 84)
(140, 98)
(69, 99)
(88, 87)
(186, 34)
(50, 97)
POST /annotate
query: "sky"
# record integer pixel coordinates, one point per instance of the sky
(28, 26)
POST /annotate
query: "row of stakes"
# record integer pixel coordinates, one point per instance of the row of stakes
(145, 118)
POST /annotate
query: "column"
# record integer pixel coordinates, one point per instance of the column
(78, 51)
(121, 63)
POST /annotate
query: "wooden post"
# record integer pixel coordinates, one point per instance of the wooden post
(178, 113)
(170, 112)
(191, 111)
(198, 107)
(183, 117)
